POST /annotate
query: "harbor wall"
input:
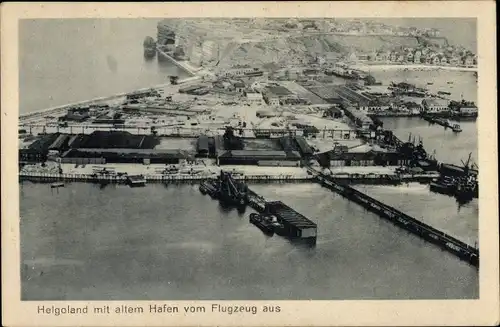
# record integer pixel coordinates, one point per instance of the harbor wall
(428, 233)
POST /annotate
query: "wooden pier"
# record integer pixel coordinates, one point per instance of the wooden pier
(428, 233)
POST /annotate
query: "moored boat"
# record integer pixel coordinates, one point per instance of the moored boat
(57, 185)
(263, 223)
(456, 128)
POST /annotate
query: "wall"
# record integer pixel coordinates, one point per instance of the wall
(84, 161)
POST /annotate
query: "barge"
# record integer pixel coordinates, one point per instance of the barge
(136, 180)
(295, 225)
(209, 187)
(57, 185)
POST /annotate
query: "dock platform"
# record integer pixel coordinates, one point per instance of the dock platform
(296, 225)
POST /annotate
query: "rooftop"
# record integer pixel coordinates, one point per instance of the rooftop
(436, 102)
(289, 215)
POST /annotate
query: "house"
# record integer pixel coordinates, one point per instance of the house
(239, 86)
(469, 61)
(393, 56)
(409, 56)
(401, 58)
(433, 106)
(376, 105)
(388, 55)
(429, 59)
(454, 61)
(417, 56)
(321, 60)
(254, 98)
(333, 112)
(436, 60)
(381, 56)
(363, 56)
(444, 60)
(352, 56)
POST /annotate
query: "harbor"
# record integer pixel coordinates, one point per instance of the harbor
(226, 167)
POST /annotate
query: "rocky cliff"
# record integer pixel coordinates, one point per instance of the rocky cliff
(211, 43)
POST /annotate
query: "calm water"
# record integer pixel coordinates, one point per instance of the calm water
(171, 242)
(70, 60)
(463, 85)
(450, 147)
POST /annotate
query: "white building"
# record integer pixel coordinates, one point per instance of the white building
(435, 105)
(254, 98)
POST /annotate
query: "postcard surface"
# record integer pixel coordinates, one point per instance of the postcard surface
(260, 164)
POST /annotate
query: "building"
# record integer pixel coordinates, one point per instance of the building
(433, 106)
(202, 146)
(273, 94)
(469, 61)
(417, 56)
(32, 155)
(304, 148)
(241, 72)
(254, 98)
(333, 112)
(239, 86)
(409, 56)
(381, 56)
(376, 105)
(336, 158)
(125, 155)
(261, 158)
(455, 61)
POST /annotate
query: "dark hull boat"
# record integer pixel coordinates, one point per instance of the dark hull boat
(262, 223)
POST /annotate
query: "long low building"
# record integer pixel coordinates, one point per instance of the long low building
(123, 155)
(370, 158)
(295, 224)
(259, 157)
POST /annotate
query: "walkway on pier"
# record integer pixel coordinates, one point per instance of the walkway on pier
(445, 241)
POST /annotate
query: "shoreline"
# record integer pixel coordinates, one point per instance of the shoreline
(384, 67)
(189, 70)
(100, 99)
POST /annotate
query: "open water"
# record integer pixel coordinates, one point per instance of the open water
(171, 243)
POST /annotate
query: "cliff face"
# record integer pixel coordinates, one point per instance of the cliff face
(206, 43)
(165, 35)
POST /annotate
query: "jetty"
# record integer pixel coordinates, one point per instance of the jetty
(445, 241)
(443, 122)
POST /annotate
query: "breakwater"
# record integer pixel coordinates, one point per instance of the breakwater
(446, 242)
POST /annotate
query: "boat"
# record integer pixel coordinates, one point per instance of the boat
(136, 180)
(442, 187)
(450, 82)
(263, 223)
(209, 187)
(456, 128)
(443, 92)
(57, 185)
(430, 83)
(278, 227)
